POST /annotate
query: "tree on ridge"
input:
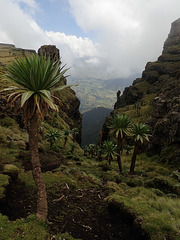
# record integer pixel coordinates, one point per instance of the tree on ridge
(141, 133)
(120, 126)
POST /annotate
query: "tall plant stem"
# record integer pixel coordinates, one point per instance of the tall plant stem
(42, 206)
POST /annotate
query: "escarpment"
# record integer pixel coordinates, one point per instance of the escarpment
(160, 76)
(159, 90)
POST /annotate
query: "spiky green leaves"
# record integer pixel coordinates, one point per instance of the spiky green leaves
(120, 125)
(52, 136)
(141, 132)
(109, 150)
(34, 80)
(35, 73)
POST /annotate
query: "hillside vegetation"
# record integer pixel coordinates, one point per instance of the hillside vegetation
(89, 198)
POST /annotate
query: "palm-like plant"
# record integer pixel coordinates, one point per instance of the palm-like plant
(141, 133)
(66, 134)
(86, 150)
(120, 126)
(92, 149)
(74, 133)
(52, 136)
(73, 147)
(127, 149)
(34, 80)
(109, 151)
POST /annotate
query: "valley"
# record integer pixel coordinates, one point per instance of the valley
(94, 93)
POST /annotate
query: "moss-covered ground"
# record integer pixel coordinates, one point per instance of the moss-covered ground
(90, 200)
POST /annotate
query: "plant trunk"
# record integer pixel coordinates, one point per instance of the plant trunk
(42, 207)
(133, 160)
(65, 141)
(122, 146)
(119, 153)
(110, 159)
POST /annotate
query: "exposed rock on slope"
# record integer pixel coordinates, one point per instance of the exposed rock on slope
(161, 78)
(49, 51)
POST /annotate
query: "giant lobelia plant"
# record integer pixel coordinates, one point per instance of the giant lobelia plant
(34, 81)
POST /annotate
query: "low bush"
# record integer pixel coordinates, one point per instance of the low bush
(8, 122)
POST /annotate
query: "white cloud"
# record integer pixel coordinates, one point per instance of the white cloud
(19, 28)
(79, 46)
(127, 34)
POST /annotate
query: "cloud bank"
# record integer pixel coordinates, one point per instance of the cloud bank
(130, 32)
(127, 34)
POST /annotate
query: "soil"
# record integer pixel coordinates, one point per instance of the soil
(83, 213)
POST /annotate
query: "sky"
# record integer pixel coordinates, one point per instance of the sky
(97, 38)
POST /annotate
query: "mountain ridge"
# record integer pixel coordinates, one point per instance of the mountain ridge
(158, 93)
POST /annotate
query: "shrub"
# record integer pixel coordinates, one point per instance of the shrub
(8, 122)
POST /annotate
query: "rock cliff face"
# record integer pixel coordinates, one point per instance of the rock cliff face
(159, 76)
(162, 79)
(165, 122)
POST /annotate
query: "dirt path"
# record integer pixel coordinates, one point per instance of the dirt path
(83, 213)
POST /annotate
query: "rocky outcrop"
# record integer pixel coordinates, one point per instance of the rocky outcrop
(173, 37)
(165, 124)
(130, 96)
(160, 76)
(49, 51)
(70, 103)
(165, 121)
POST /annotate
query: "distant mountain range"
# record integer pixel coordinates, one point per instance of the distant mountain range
(94, 93)
(92, 122)
(97, 99)
(120, 83)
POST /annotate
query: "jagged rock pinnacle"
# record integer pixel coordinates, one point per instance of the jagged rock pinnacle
(50, 51)
(174, 35)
